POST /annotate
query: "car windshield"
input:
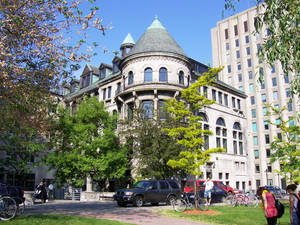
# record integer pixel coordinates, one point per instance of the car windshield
(222, 185)
(142, 184)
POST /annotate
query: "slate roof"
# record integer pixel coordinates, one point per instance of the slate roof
(94, 69)
(156, 39)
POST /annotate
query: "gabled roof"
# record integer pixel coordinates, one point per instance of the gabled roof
(94, 69)
(156, 39)
(105, 65)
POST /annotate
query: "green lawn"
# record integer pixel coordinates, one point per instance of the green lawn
(231, 216)
(59, 219)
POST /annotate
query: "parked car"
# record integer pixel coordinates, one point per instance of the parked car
(217, 194)
(277, 191)
(189, 186)
(148, 191)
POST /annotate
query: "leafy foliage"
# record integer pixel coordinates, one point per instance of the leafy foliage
(20, 148)
(281, 18)
(190, 132)
(151, 148)
(286, 150)
(85, 145)
(36, 55)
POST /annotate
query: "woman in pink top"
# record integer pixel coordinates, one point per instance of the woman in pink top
(268, 205)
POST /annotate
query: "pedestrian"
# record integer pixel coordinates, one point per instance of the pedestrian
(268, 205)
(208, 188)
(294, 198)
(42, 191)
(50, 191)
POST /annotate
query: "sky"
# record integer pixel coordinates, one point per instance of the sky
(189, 22)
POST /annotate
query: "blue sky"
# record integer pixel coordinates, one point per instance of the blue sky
(189, 22)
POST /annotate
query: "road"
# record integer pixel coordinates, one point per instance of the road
(108, 210)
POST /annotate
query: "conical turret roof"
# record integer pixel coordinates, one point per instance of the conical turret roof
(156, 39)
(128, 40)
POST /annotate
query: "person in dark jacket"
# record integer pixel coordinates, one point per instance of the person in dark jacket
(42, 192)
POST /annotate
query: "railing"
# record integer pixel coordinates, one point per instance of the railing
(139, 83)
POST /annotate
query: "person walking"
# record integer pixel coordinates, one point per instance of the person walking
(208, 188)
(42, 191)
(268, 205)
(294, 198)
(50, 191)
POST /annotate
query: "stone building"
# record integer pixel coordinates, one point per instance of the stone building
(156, 68)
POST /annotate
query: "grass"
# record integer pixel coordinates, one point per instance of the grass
(231, 216)
(60, 219)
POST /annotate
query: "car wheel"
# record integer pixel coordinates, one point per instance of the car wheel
(223, 200)
(154, 203)
(170, 199)
(121, 204)
(138, 201)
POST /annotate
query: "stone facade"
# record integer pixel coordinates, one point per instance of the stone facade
(171, 71)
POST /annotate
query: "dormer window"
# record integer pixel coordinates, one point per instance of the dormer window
(102, 73)
(115, 67)
(85, 80)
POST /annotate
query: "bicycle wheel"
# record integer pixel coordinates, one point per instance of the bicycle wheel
(234, 201)
(8, 208)
(253, 202)
(229, 199)
(202, 205)
(179, 205)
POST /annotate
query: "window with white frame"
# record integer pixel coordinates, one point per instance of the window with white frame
(221, 133)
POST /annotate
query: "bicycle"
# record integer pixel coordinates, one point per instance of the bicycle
(245, 199)
(8, 208)
(184, 202)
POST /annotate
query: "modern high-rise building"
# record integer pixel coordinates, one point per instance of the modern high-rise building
(235, 45)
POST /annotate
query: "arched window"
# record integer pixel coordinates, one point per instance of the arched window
(221, 133)
(220, 121)
(237, 139)
(130, 78)
(203, 115)
(163, 74)
(148, 75)
(181, 77)
(205, 126)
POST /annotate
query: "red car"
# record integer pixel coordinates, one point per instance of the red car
(189, 186)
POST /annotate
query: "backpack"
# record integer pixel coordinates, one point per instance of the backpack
(280, 208)
(298, 206)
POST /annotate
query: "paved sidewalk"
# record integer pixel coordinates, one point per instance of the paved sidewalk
(109, 210)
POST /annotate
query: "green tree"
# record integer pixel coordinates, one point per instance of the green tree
(190, 133)
(151, 147)
(20, 147)
(85, 145)
(286, 148)
(281, 18)
(37, 54)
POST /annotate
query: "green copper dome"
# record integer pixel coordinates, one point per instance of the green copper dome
(156, 39)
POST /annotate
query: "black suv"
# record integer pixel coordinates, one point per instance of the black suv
(148, 191)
